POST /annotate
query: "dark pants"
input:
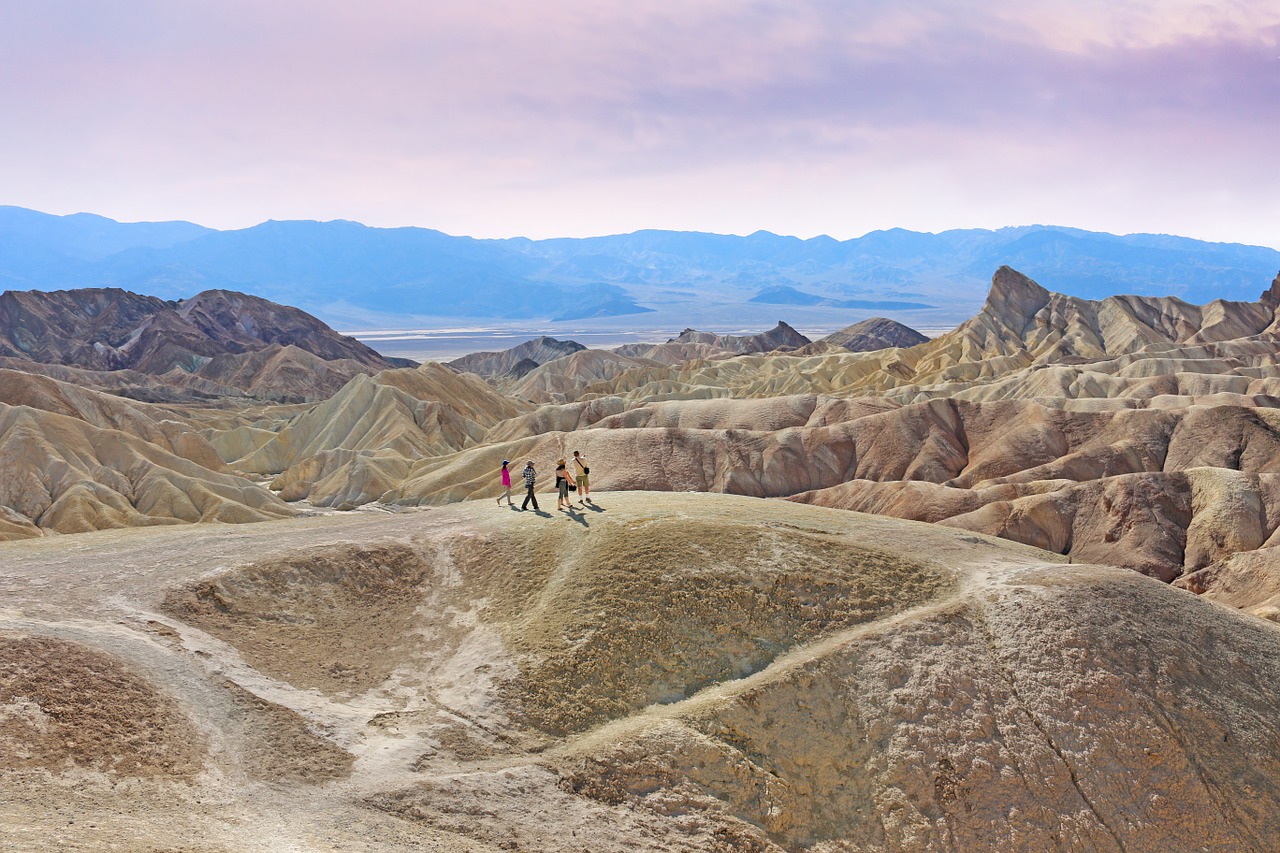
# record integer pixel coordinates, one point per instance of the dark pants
(529, 497)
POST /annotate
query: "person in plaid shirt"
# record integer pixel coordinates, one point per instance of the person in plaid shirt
(530, 477)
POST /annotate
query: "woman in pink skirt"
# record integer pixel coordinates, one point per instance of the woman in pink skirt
(506, 484)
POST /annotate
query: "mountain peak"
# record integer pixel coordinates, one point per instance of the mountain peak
(780, 336)
(875, 333)
(1271, 296)
(512, 361)
(1014, 298)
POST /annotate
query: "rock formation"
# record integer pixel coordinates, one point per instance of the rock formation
(691, 344)
(1144, 489)
(779, 337)
(65, 475)
(105, 411)
(517, 361)
(222, 337)
(356, 445)
(875, 334)
(559, 381)
(287, 374)
(1022, 326)
(672, 352)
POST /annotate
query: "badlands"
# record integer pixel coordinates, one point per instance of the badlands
(1009, 588)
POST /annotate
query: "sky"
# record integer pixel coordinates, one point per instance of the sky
(499, 118)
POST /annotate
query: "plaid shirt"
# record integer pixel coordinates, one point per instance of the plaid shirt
(529, 476)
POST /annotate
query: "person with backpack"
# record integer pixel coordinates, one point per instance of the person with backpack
(584, 484)
(562, 487)
(530, 477)
(506, 484)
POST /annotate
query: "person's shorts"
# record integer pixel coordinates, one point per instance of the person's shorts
(583, 482)
(564, 487)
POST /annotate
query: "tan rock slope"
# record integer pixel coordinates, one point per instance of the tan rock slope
(77, 460)
(285, 373)
(560, 380)
(130, 463)
(1161, 491)
(65, 475)
(665, 673)
(176, 386)
(355, 446)
(273, 374)
(104, 411)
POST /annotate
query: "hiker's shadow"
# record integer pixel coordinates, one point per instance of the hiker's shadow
(576, 515)
(594, 508)
(542, 512)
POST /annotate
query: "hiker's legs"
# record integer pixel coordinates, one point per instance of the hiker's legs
(529, 497)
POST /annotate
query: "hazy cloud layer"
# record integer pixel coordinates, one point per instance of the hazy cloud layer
(501, 118)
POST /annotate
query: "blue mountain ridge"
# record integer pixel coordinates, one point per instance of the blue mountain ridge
(418, 271)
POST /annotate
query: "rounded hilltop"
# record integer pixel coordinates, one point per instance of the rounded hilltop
(671, 672)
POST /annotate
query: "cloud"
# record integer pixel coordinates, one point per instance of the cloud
(448, 112)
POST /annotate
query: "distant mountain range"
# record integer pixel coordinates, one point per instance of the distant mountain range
(785, 295)
(347, 273)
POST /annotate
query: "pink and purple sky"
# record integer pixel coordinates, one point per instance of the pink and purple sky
(498, 118)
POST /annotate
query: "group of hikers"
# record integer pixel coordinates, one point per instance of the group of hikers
(566, 482)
